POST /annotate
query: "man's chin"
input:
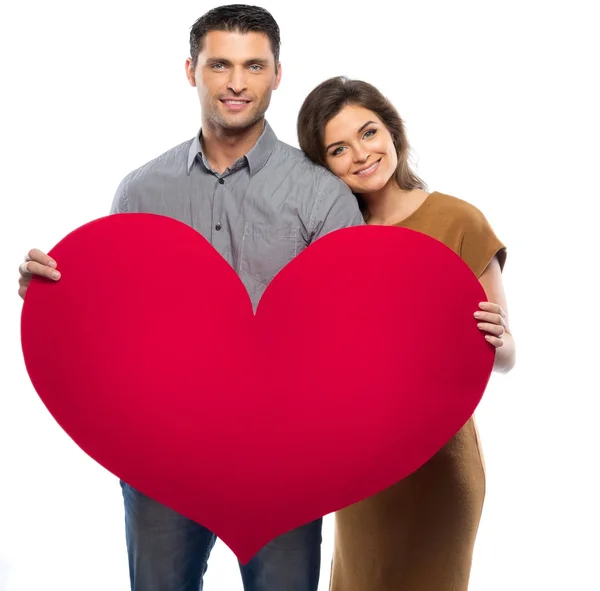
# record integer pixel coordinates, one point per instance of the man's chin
(238, 123)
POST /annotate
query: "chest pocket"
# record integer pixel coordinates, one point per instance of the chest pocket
(266, 249)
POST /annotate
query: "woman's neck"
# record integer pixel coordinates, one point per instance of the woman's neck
(391, 204)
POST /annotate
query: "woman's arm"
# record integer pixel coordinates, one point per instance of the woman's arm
(493, 318)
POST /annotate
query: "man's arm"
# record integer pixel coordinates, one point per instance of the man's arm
(335, 207)
(120, 203)
(39, 263)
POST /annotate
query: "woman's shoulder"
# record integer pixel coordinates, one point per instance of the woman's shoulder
(455, 206)
(478, 241)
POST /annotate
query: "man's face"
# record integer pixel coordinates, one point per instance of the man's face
(235, 75)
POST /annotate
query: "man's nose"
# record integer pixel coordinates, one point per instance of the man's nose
(237, 81)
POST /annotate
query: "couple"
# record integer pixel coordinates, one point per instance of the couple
(260, 202)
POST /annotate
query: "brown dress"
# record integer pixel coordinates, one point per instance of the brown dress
(419, 534)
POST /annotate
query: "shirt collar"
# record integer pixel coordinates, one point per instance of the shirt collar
(256, 157)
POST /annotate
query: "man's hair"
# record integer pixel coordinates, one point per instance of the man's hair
(239, 18)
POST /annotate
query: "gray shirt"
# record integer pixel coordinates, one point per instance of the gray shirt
(259, 214)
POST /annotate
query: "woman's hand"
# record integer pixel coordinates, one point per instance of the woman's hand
(492, 320)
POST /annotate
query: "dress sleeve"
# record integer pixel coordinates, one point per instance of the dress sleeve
(479, 243)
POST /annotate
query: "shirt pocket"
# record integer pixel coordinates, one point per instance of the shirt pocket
(266, 249)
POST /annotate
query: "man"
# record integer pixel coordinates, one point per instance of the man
(259, 202)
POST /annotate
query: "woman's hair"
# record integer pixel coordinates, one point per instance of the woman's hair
(326, 100)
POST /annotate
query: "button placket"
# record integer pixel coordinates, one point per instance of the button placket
(218, 208)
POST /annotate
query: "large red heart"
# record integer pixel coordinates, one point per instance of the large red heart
(362, 361)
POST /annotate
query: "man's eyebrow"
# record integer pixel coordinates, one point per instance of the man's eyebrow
(221, 60)
(361, 128)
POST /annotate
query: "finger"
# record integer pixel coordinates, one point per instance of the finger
(492, 307)
(27, 269)
(24, 269)
(496, 342)
(35, 254)
(493, 329)
(491, 318)
(22, 291)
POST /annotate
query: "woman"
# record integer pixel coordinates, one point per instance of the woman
(419, 534)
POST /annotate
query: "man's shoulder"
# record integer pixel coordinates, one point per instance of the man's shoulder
(173, 160)
(305, 168)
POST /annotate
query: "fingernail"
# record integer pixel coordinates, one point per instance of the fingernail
(52, 264)
(480, 325)
(55, 275)
(477, 314)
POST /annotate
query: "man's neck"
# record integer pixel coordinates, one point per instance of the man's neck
(223, 147)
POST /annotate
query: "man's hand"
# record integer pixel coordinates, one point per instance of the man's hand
(36, 263)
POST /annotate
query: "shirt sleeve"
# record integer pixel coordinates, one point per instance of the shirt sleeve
(336, 207)
(119, 204)
(479, 244)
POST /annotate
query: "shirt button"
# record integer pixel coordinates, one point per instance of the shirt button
(221, 181)
(218, 226)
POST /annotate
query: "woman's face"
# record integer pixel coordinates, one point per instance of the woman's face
(359, 149)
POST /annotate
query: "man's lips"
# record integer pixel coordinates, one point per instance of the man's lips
(234, 101)
(234, 105)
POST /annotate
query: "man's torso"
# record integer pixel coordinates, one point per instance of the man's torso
(258, 214)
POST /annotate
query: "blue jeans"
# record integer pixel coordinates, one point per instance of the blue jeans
(168, 552)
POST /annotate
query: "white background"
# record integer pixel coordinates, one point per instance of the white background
(501, 108)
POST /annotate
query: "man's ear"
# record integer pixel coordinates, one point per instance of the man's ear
(190, 71)
(278, 78)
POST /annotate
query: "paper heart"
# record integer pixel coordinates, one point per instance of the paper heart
(362, 361)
